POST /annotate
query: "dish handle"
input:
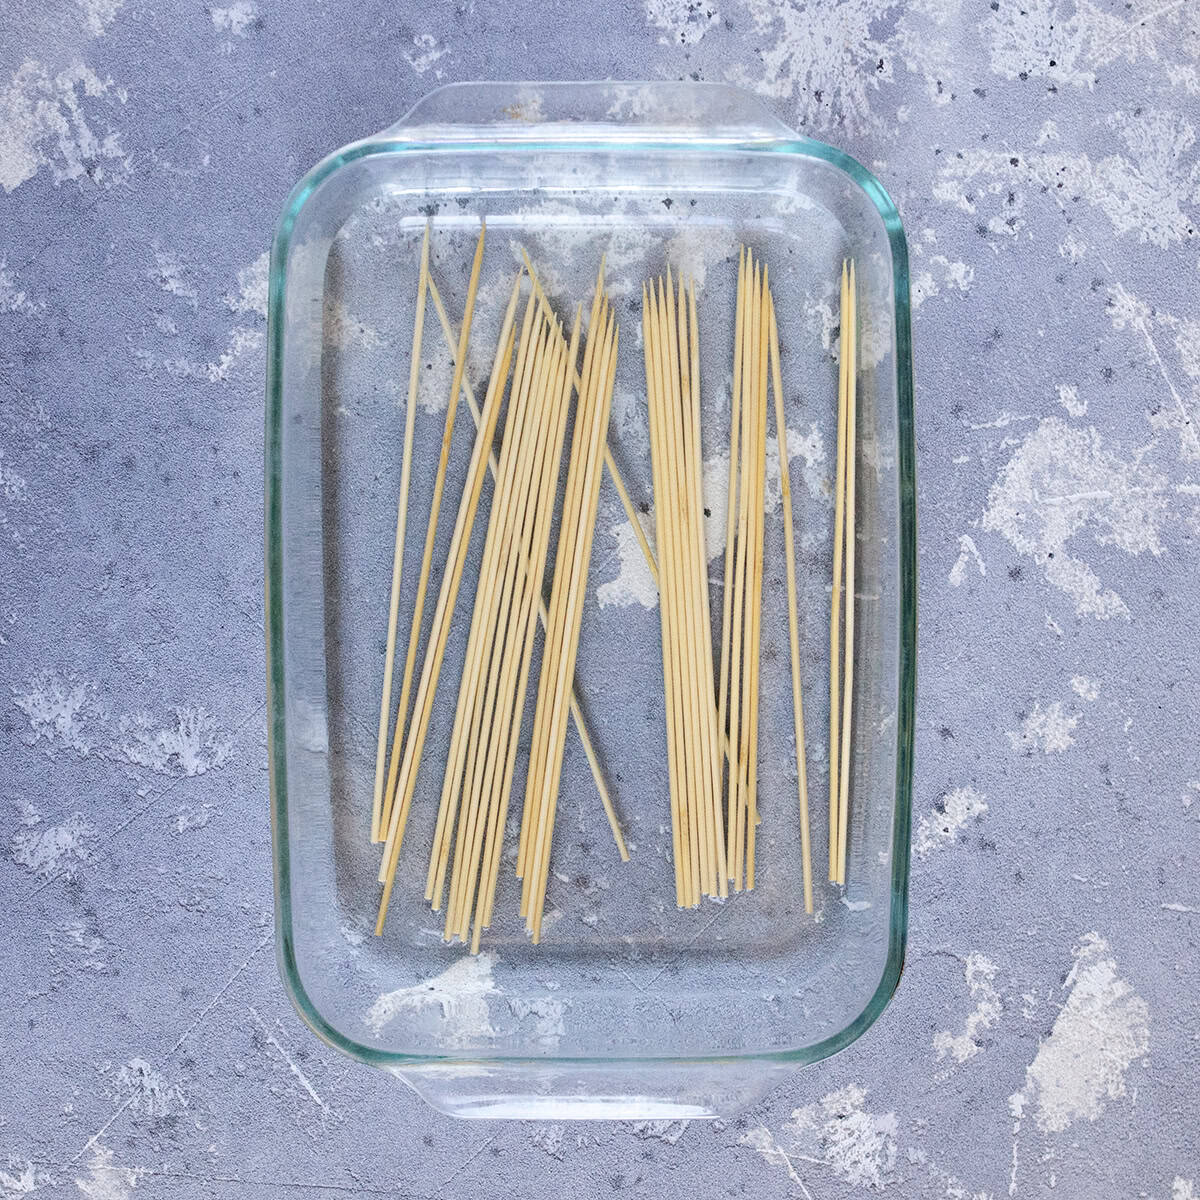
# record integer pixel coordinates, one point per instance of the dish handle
(662, 111)
(530, 1091)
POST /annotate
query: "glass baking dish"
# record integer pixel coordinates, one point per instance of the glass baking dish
(630, 1006)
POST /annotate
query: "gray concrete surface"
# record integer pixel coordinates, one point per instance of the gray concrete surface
(1046, 1035)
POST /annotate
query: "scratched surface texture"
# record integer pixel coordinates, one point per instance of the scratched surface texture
(1045, 1036)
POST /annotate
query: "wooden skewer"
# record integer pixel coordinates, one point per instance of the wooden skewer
(532, 549)
(713, 747)
(389, 660)
(707, 748)
(538, 748)
(431, 532)
(484, 740)
(789, 535)
(724, 706)
(611, 465)
(670, 595)
(672, 359)
(739, 700)
(848, 669)
(601, 407)
(755, 602)
(478, 642)
(698, 859)
(650, 328)
(494, 739)
(575, 543)
(538, 792)
(447, 595)
(835, 607)
(585, 739)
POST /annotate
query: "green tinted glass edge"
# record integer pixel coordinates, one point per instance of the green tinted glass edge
(906, 698)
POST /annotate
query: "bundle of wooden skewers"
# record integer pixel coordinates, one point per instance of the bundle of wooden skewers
(543, 386)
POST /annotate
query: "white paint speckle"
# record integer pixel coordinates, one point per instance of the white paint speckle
(189, 746)
(1101, 1030)
(21, 1179)
(549, 1140)
(1127, 311)
(696, 248)
(940, 828)
(458, 996)
(1085, 688)
(546, 1016)
(980, 973)
(59, 709)
(1061, 483)
(48, 119)
(343, 330)
(683, 22)
(633, 583)
(104, 1180)
(425, 53)
(14, 299)
(242, 342)
(838, 1131)
(1072, 248)
(1145, 193)
(149, 1091)
(56, 849)
(1068, 397)
(251, 294)
(65, 712)
(1046, 729)
(1071, 45)
(1183, 1189)
(98, 15)
(171, 275)
(187, 818)
(968, 552)
(237, 18)
(955, 276)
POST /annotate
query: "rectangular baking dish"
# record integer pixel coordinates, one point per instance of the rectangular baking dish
(629, 1007)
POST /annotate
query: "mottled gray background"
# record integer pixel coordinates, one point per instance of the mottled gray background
(1045, 1036)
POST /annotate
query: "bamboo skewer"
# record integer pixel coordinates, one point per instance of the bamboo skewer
(543, 784)
(851, 321)
(714, 751)
(683, 702)
(668, 351)
(785, 488)
(755, 602)
(661, 516)
(431, 532)
(700, 638)
(570, 579)
(477, 643)
(538, 747)
(611, 465)
(485, 741)
(724, 703)
(529, 579)
(739, 698)
(447, 595)
(710, 718)
(672, 360)
(576, 712)
(389, 659)
(835, 607)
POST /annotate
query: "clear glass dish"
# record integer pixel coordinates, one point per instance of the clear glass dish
(630, 1007)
